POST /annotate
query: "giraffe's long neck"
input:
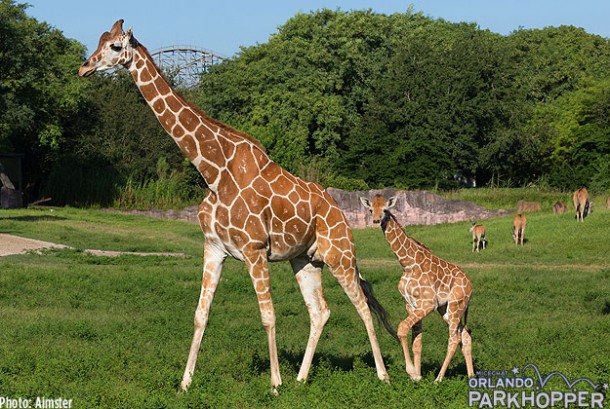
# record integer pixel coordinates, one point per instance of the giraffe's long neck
(209, 144)
(402, 246)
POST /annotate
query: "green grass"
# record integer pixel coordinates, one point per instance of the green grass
(507, 198)
(115, 332)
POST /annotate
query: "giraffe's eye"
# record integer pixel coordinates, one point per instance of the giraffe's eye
(116, 47)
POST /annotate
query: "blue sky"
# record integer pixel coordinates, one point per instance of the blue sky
(223, 26)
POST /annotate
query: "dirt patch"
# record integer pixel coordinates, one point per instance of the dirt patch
(10, 245)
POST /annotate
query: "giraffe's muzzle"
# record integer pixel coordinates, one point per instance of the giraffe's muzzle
(86, 70)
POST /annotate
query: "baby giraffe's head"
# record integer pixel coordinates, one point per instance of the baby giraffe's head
(379, 206)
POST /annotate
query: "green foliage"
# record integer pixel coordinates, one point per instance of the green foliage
(170, 190)
(576, 129)
(397, 100)
(507, 198)
(407, 101)
(41, 98)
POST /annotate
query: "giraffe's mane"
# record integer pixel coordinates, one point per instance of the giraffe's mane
(201, 112)
(384, 222)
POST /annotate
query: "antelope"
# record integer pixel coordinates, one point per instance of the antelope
(519, 223)
(581, 203)
(479, 236)
(559, 207)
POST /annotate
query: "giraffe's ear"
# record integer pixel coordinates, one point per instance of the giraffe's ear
(365, 202)
(391, 202)
(129, 33)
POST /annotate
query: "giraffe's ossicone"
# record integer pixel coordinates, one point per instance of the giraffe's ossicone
(254, 211)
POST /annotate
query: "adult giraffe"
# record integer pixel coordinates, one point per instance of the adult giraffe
(428, 283)
(255, 211)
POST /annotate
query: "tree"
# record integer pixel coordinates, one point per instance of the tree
(40, 95)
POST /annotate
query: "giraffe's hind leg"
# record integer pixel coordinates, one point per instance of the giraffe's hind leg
(309, 277)
(348, 279)
(453, 316)
(416, 347)
(335, 247)
(467, 351)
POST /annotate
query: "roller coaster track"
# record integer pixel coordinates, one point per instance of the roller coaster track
(184, 64)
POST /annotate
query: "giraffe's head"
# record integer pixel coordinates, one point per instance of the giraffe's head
(379, 206)
(115, 48)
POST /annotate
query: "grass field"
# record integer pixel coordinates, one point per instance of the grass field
(115, 332)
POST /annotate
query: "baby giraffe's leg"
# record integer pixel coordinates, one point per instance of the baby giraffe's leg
(453, 316)
(416, 346)
(415, 316)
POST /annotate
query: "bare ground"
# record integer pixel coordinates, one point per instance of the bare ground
(10, 244)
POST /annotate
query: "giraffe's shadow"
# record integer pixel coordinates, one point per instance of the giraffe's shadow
(341, 363)
(260, 363)
(346, 363)
(33, 218)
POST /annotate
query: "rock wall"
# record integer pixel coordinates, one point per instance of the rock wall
(412, 207)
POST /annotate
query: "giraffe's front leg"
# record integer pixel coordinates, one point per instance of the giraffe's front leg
(403, 333)
(416, 315)
(257, 264)
(212, 267)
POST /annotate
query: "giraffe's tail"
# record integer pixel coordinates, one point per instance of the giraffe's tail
(465, 320)
(378, 310)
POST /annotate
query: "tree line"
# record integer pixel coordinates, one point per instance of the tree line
(352, 99)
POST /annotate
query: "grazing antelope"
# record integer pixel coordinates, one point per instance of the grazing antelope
(608, 203)
(428, 283)
(479, 236)
(559, 207)
(519, 223)
(581, 203)
(523, 206)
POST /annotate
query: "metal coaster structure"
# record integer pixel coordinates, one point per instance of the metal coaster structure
(184, 64)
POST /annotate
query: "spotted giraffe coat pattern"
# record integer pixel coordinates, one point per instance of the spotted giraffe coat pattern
(428, 283)
(254, 211)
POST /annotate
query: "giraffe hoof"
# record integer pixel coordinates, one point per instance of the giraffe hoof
(415, 378)
(184, 387)
(384, 377)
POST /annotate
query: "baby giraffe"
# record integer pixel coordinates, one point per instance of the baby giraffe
(428, 283)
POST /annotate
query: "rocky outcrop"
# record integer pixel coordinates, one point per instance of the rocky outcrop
(412, 207)
(188, 214)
